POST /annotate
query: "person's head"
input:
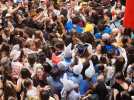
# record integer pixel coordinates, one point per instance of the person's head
(5, 49)
(124, 40)
(118, 4)
(55, 73)
(47, 50)
(68, 39)
(87, 38)
(95, 59)
(28, 83)
(103, 60)
(130, 71)
(45, 94)
(119, 63)
(39, 10)
(119, 77)
(59, 45)
(25, 73)
(39, 72)
(38, 35)
(33, 46)
(84, 50)
(41, 57)
(47, 67)
(32, 58)
(38, 44)
(101, 68)
(98, 48)
(54, 17)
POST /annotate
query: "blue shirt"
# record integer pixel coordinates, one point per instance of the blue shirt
(69, 26)
(76, 78)
(84, 86)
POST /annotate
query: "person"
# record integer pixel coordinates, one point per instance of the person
(119, 86)
(38, 78)
(1, 85)
(65, 49)
(31, 91)
(19, 87)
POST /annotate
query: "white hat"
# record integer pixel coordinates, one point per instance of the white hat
(105, 36)
(77, 69)
(89, 72)
(68, 51)
(68, 84)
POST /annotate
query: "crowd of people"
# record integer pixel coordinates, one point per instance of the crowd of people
(65, 50)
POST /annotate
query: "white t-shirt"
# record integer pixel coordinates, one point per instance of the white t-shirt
(32, 92)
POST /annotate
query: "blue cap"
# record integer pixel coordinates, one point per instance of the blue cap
(98, 35)
(107, 30)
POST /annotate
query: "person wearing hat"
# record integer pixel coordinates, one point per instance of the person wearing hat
(76, 77)
(70, 89)
(86, 83)
(67, 60)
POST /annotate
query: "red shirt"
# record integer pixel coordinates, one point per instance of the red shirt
(129, 14)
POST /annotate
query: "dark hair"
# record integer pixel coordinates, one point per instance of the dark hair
(101, 67)
(68, 39)
(127, 32)
(5, 47)
(125, 96)
(46, 94)
(41, 57)
(55, 72)
(87, 38)
(25, 73)
(47, 67)
(54, 17)
(119, 63)
(119, 76)
(7, 69)
(47, 51)
(76, 20)
(39, 10)
(103, 59)
(32, 58)
(59, 45)
(95, 59)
